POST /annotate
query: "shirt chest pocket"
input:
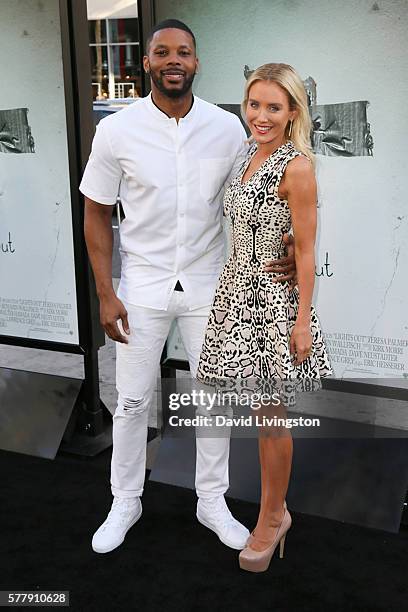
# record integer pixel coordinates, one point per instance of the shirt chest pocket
(214, 172)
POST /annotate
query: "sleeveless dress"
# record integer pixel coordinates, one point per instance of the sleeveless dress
(251, 319)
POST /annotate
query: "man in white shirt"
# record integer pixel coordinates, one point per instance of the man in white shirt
(168, 156)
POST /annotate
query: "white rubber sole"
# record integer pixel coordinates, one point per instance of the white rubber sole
(106, 550)
(223, 540)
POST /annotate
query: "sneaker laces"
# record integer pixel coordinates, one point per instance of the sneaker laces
(119, 513)
(219, 511)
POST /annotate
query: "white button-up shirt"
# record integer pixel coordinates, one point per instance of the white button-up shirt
(171, 178)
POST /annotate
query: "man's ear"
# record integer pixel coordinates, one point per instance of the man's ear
(197, 69)
(146, 64)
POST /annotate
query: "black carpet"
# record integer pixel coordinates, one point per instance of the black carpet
(168, 561)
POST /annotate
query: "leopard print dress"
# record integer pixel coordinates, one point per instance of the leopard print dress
(251, 320)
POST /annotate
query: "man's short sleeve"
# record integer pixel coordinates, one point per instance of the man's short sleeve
(103, 173)
(242, 150)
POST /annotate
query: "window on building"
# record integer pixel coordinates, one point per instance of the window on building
(115, 58)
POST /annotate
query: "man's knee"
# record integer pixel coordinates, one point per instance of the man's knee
(128, 406)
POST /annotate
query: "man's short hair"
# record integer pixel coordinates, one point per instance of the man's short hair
(168, 23)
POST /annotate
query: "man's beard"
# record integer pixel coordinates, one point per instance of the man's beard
(172, 93)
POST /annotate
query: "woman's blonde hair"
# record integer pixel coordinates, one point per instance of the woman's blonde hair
(285, 76)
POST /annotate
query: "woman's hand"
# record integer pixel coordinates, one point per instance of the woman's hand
(300, 343)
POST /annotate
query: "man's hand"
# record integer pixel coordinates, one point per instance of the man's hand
(111, 310)
(286, 266)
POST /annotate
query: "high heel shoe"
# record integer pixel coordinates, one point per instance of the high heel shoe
(251, 536)
(258, 561)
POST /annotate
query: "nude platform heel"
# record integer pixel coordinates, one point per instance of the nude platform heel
(258, 561)
(251, 535)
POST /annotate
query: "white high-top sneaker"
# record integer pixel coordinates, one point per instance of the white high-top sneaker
(122, 516)
(214, 514)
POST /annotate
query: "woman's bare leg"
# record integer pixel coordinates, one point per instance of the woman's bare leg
(275, 455)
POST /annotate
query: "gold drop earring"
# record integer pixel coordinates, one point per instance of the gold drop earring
(290, 128)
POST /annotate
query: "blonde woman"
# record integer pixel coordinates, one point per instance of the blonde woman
(260, 329)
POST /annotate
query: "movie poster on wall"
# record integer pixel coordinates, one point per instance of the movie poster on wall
(37, 270)
(357, 100)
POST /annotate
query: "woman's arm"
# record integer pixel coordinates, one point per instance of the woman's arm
(300, 186)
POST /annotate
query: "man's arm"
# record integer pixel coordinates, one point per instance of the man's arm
(99, 242)
(286, 266)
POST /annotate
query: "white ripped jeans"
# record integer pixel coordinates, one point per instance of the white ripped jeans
(136, 376)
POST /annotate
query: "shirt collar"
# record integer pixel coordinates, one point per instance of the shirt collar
(161, 116)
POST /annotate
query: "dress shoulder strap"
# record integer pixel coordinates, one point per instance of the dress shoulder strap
(283, 157)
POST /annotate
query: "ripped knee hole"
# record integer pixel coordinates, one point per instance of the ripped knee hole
(133, 405)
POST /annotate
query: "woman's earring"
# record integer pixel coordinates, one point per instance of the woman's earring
(290, 128)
